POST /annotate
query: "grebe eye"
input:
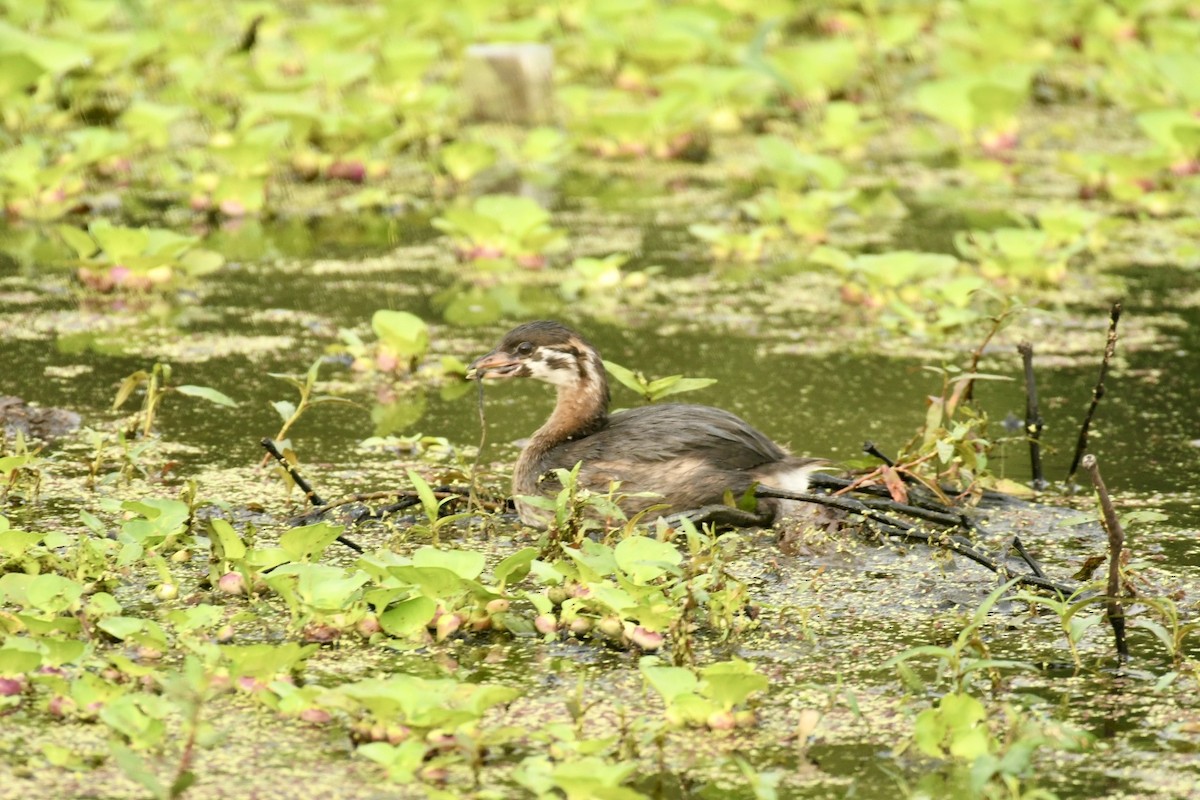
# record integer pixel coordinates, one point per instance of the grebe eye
(524, 349)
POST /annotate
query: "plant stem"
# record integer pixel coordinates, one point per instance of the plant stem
(1116, 542)
(870, 449)
(1033, 417)
(1110, 348)
(473, 495)
(891, 526)
(305, 487)
(968, 393)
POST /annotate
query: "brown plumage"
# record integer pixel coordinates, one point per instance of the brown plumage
(689, 456)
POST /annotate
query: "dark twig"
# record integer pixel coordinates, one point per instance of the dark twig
(1110, 348)
(1027, 558)
(250, 36)
(823, 480)
(474, 492)
(891, 526)
(404, 500)
(870, 449)
(1116, 542)
(305, 486)
(1033, 417)
(309, 492)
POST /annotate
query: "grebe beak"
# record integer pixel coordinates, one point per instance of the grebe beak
(496, 364)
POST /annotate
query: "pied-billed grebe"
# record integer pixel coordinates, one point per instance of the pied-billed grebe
(689, 456)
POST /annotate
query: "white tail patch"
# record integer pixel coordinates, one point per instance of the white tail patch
(791, 479)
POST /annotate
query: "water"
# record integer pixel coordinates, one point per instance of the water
(824, 405)
(291, 286)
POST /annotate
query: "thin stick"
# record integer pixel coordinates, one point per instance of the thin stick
(403, 500)
(473, 499)
(1033, 417)
(1116, 542)
(891, 526)
(833, 483)
(870, 449)
(1110, 348)
(1027, 558)
(305, 486)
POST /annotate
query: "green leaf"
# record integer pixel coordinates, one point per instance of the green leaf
(199, 262)
(408, 617)
(428, 501)
(138, 770)
(970, 744)
(127, 387)
(434, 582)
(626, 377)
(83, 245)
(516, 566)
(644, 558)
(961, 710)
(284, 408)
(405, 333)
(321, 587)
(731, 683)
(309, 541)
(684, 385)
(265, 661)
(401, 761)
(17, 662)
(119, 244)
(207, 393)
(53, 593)
(669, 682)
(13, 543)
(466, 564)
(929, 731)
(53, 55)
(1160, 632)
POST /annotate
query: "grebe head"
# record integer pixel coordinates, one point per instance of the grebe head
(546, 351)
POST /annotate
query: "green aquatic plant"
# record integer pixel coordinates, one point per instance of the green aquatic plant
(913, 293)
(610, 126)
(21, 467)
(1023, 256)
(638, 592)
(462, 161)
(953, 446)
(598, 277)
(958, 663)
(32, 186)
(403, 339)
(807, 216)
(291, 412)
(786, 164)
(995, 745)
(725, 244)
(713, 696)
(502, 226)
(734, 97)
(813, 70)
(115, 258)
(653, 390)
(588, 776)
(142, 723)
(1074, 623)
(435, 520)
(981, 107)
(157, 388)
